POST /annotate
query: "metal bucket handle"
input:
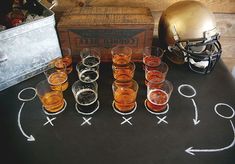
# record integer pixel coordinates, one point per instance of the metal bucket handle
(53, 3)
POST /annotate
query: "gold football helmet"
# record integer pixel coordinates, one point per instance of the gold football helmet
(187, 31)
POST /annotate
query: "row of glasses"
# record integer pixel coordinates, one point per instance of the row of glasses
(124, 87)
(158, 88)
(50, 90)
(85, 89)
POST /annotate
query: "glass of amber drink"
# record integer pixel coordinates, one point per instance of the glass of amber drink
(124, 73)
(121, 55)
(90, 57)
(125, 94)
(52, 100)
(158, 95)
(157, 73)
(152, 56)
(57, 77)
(67, 60)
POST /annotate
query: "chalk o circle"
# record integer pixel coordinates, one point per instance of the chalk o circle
(227, 117)
(189, 86)
(25, 89)
(55, 113)
(156, 113)
(124, 113)
(90, 113)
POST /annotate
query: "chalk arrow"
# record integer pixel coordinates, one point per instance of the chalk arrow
(195, 120)
(29, 138)
(192, 151)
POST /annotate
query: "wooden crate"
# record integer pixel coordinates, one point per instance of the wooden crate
(106, 27)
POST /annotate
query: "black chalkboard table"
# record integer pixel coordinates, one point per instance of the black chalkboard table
(198, 128)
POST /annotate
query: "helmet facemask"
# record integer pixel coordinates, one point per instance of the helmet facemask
(201, 55)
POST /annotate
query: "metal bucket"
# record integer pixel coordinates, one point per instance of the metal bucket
(25, 50)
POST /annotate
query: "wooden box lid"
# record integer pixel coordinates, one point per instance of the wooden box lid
(88, 16)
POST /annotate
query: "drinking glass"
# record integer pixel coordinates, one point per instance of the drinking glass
(52, 100)
(57, 77)
(125, 94)
(152, 56)
(67, 59)
(158, 95)
(121, 55)
(158, 74)
(86, 96)
(87, 74)
(123, 73)
(90, 57)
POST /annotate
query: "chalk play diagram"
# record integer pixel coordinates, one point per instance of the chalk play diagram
(185, 90)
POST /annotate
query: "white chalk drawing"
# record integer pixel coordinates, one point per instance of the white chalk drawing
(192, 151)
(25, 89)
(90, 113)
(29, 137)
(86, 121)
(126, 120)
(226, 117)
(124, 113)
(189, 86)
(49, 121)
(55, 113)
(156, 113)
(163, 119)
(195, 120)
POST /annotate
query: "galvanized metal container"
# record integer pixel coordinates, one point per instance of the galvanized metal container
(25, 50)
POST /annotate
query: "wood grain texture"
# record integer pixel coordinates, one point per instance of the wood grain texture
(230, 63)
(222, 6)
(106, 27)
(228, 47)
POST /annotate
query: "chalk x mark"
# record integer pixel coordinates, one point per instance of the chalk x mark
(86, 121)
(29, 138)
(126, 120)
(49, 121)
(162, 120)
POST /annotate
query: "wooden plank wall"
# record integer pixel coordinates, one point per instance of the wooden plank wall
(224, 11)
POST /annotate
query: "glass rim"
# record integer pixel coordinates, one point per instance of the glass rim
(147, 68)
(90, 49)
(151, 47)
(122, 47)
(132, 80)
(126, 66)
(166, 81)
(94, 83)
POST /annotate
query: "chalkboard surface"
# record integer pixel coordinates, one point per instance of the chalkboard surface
(196, 129)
